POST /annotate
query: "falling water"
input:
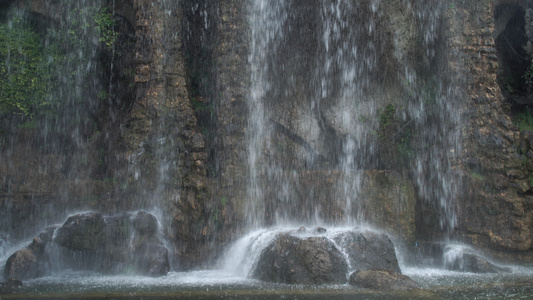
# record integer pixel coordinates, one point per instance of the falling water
(337, 90)
(60, 124)
(437, 118)
(300, 80)
(338, 80)
(267, 32)
(76, 131)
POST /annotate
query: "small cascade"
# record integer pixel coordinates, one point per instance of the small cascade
(54, 134)
(68, 149)
(288, 254)
(267, 33)
(462, 258)
(335, 99)
(242, 256)
(127, 243)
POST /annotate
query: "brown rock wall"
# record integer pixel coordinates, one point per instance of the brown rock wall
(494, 214)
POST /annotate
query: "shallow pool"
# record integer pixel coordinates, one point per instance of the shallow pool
(434, 283)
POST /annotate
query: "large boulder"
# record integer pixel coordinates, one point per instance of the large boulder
(32, 261)
(145, 223)
(113, 244)
(382, 280)
(368, 250)
(82, 232)
(151, 258)
(301, 260)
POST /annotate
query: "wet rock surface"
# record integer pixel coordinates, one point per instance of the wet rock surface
(495, 212)
(369, 250)
(31, 261)
(116, 244)
(382, 280)
(151, 259)
(120, 243)
(295, 260)
(82, 232)
(145, 223)
(10, 286)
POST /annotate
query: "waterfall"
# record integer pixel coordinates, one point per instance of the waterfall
(267, 22)
(53, 135)
(437, 120)
(340, 89)
(351, 112)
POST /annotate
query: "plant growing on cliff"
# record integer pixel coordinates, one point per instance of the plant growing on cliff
(24, 70)
(528, 78)
(105, 26)
(524, 120)
(30, 72)
(387, 117)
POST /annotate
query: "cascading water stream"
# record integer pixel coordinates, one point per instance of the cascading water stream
(268, 22)
(70, 130)
(334, 82)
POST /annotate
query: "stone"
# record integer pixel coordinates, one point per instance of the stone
(198, 142)
(369, 250)
(151, 259)
(10, 286)
(145, 223)
(113, 244)
(382, 280)
(294, 260)
(82, 232)
(29, 262)
(320, 230)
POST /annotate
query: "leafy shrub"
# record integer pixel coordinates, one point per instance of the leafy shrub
(24, 70)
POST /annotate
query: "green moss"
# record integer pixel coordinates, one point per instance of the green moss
(477, 176)
(200, 106)
(24, 69)
(29, 71)
(223, 201)
(105, 26)
(387, 117)
(524, 120)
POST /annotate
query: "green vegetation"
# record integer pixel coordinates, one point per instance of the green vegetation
(199, 106)
(105, 26)
(524, 120)
(477, 176)
(395, 133)
(223, 201)
(34, 77)
(24, 70)
(528, 78)
(404, 144)
(387, 117)
(102, 95)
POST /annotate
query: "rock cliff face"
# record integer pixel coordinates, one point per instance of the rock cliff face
(170, 137)
(495, 211)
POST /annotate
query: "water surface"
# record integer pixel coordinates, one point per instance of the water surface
(214, 284)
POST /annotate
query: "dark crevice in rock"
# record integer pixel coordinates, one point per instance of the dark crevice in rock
(511, 43)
